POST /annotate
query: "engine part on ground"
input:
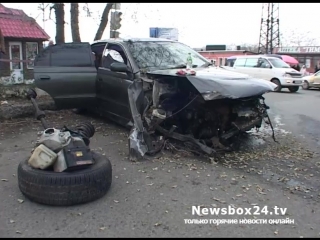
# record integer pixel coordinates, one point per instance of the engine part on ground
(54, 139)
(77, 154)
(66, 189)
(60, 164)
(42, 157)
(40, 115)
(86, 130)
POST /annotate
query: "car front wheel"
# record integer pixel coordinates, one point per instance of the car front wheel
(305, 85)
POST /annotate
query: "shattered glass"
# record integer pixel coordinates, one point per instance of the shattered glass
(163, 55)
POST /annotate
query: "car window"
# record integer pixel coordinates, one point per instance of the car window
(71, 55)
(113, 53)
(317, 73)
(251, 62)
(263, 63)
(240, 62)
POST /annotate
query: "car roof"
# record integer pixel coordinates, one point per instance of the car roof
(133, 40)
(255, 56)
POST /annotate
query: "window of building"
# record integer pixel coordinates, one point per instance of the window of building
(31, 53)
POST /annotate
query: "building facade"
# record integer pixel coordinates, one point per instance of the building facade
(308, 55)
(21, 39)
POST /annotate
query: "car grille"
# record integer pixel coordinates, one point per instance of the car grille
(295, 75)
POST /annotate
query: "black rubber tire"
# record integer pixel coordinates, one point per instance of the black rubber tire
(305, 85)
(66, 188)
(277, 82)
(293, 89)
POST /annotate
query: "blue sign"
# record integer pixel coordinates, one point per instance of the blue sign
(167, 33)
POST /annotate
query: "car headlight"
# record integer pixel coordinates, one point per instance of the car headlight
(287, 75)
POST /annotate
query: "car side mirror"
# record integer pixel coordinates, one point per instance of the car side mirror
(119, 67)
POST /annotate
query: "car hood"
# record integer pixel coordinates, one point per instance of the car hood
(216, 83)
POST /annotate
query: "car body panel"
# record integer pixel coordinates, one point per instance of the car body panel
(313, 80)
(69, 86)
(288, 77)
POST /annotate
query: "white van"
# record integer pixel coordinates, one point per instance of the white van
(268, 68)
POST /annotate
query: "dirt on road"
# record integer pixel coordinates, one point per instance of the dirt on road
(154, 197)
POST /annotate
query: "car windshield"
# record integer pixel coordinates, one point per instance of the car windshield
(278, 63)
(164, 55)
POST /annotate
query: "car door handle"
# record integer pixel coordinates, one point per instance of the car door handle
(44, 78)
(99, 79)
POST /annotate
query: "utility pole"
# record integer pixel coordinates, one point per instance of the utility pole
(115, 22)
(269, 28)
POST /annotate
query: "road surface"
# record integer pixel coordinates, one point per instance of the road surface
(154, 198)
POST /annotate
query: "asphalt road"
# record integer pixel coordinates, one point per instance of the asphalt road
(154, 197)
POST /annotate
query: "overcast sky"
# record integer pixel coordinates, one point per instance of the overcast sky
(199, 24)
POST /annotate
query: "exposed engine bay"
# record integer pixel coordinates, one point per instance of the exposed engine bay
(174, 109)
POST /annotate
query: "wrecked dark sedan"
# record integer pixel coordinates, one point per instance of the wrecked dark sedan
(146, 85)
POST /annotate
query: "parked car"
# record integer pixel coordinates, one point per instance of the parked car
(267, 68)
(144, 84)
(311, 81)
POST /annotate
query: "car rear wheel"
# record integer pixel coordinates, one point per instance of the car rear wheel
(305, 85)
(293, 89)
(66, 188)
(277, 82)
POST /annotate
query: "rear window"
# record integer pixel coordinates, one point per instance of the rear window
(65, 55)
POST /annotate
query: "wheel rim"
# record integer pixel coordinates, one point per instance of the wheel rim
(305, 85)
(278, 86)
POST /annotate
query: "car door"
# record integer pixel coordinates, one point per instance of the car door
(239, 65)
(112, 87)
(264, 70)
(67, 73)
(252, 67)
(316, 79)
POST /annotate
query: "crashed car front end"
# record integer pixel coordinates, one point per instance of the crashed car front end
(205, 111)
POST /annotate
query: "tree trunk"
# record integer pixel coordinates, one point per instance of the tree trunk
(59, 12)
(103, 22)
(74, 13)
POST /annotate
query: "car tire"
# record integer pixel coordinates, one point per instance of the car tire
(293, 89)
(305, 85)
(66, 188)
(277, 82)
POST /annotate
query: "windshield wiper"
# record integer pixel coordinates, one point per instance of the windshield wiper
(182, 66)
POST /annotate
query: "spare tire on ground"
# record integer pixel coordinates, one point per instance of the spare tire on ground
(66, 188)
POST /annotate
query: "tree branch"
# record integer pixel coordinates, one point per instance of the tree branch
(104, 21)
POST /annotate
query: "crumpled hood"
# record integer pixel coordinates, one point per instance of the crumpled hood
(216, 83)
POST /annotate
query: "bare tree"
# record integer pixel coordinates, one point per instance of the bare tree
(59, 13)
(294, 38)
(74, 20)
(104, 21)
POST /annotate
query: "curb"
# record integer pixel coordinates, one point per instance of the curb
(25, 109)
